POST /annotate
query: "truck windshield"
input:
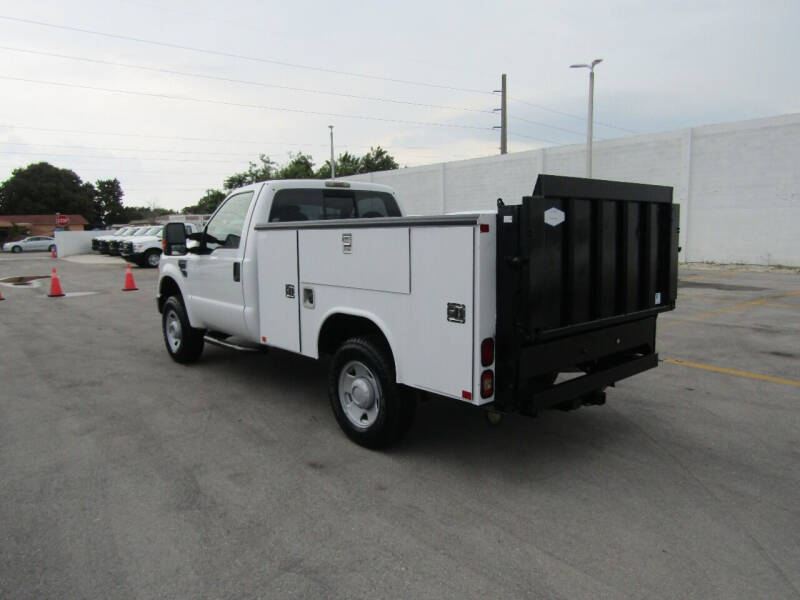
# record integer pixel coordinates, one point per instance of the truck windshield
(315, 205)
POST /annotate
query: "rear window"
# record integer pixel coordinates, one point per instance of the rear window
(315, 205)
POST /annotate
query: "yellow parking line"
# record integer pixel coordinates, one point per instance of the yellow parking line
(783, 305)
(686, 363)
(727, 309)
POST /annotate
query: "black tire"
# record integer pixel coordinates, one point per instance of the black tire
(394, 408)
(151, 259)
(16, 249)
(184, 343)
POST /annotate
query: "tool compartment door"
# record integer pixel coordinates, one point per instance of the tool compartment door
(439, 351)
(278, 290)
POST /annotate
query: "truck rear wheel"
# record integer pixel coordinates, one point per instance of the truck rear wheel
(184, 343)
(367, 402)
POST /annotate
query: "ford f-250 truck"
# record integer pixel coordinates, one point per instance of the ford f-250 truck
(488, 309)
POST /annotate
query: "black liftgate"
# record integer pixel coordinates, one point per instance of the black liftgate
(583, 268)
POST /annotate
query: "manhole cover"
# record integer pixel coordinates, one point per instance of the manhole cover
(23, 279)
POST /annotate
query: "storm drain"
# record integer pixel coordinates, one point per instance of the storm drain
(23, 279)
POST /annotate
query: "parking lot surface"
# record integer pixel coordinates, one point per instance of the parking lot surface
(126, 475)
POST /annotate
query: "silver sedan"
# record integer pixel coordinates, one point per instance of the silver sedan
(36, 242)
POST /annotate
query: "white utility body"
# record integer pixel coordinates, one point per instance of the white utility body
(333, 267)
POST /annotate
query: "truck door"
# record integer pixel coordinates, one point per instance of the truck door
(214, 278)
(278, 289)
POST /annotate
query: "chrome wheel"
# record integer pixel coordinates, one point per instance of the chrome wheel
(174, 331)
(359, 394)
(153, 259)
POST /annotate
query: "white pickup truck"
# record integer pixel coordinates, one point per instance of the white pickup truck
(145, 248)
(486, 309)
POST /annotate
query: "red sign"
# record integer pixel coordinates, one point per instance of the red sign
(62, 220)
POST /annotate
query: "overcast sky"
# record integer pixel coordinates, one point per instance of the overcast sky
(184, 125)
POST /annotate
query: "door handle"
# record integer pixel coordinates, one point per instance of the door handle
(237, 271)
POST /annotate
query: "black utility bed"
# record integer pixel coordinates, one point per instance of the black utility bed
(583, 268)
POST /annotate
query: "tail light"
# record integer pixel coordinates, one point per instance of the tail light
(487, 383)
(487, 352)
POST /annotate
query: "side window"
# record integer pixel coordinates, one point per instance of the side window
(228, 223)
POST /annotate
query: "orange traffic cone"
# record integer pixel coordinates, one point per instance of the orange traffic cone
(130, 285)
(53, 252)
(55, 286)
(1, 295)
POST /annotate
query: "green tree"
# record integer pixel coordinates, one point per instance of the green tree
(299, 167)
(207, 204)
(108, 201)
(264, 170)
(377, 159)
(40, 189)
(347, 164)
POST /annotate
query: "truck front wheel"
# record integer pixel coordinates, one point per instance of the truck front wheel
(151, 259)
(368, 404)
(184, 343)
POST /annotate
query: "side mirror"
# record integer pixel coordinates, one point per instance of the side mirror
(174, 242)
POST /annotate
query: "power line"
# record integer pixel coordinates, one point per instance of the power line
(545, 125)
(536, 139)
(158, 158)
(413, 149)
(242, 105)
(244, 81)
(128, 149)
(243, 56)
(571, 116)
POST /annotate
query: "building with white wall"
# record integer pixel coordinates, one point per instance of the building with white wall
(738, 184)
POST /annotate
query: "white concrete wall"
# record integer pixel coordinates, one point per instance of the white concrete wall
(738, 184)
(69, 243)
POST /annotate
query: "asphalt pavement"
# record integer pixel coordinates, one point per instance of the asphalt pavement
(126, 475)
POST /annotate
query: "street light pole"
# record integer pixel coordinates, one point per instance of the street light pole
(333, 168)
(590, 123)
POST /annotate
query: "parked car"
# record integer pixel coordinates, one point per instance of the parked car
(115, 243)
(145, 249)
(35, 242)
(100, 243)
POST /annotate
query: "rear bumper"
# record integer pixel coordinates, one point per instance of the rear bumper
(605, 356)
(583, 386)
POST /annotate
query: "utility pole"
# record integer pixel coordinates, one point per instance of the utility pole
(503, 119)
(503, 116)
(590, 124)
(333, 167)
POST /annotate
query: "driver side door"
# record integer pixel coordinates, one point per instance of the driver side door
(214, 277)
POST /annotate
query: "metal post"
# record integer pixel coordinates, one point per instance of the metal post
(333, 167)
(590, 125)
(503, 118)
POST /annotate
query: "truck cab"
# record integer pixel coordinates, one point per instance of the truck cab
(218, 277)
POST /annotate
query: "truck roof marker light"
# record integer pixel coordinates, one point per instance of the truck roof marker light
(466, 395)
(263, 339)
(337, 184)
(484, 228)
